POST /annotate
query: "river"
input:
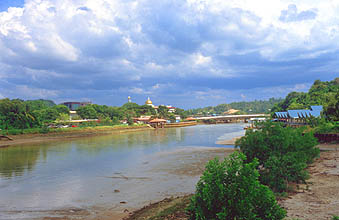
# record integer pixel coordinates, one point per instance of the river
(112, 172)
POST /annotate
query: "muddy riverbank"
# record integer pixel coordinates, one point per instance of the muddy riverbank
(319, 199)
(229, 142)
(67, 134)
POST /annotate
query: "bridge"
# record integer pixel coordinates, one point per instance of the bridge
(233, 118)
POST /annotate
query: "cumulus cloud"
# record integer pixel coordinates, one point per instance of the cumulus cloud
(292, 15)
(106, 50)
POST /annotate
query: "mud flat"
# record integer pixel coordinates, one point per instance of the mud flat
(320, 198)
(229, 142)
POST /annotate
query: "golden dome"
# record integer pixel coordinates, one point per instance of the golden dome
(148, 102)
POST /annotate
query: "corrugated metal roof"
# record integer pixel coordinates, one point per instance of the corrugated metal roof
(301, 113)
(304, 113)
(277, 114)
(293, 113)
(315, 113)
(281, 114)
(317, 108)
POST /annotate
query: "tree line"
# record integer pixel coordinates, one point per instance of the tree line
(20, 114)
(252, 107)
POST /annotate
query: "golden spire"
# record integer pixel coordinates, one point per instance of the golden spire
(148, 102)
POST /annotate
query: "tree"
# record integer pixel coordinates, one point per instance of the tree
(171, 117)
(182, 113)
(116, 113)
(15, 114)
(39, 104)
(87, 112)
(129, 120)
(62, 117)
(61, 109)
(331, 110)
(49, 114)
(283, 153)
(163, 111)
(231, 190)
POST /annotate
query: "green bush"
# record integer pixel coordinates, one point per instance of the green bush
(335, 217)
(44, 130)
(327, 127)
(278, 171)
(231, 190)
(14, 131)
(283, 153)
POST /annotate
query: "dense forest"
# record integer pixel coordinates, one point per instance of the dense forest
(321, 93)
(21, 114)
(257, 106)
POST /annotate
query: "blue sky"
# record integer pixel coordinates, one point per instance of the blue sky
(5, 4)
(191, 53)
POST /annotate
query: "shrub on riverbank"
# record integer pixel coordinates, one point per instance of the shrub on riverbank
(231, 190)
(13, 131)
(283, 153)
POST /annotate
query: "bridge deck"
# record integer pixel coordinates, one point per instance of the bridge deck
(233, 116)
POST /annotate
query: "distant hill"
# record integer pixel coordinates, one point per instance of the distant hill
(257, 106)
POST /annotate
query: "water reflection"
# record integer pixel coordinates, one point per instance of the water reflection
(14, 161)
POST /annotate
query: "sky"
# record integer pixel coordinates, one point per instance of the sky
(185, 53)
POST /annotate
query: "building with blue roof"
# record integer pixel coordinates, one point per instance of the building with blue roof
(299, 116)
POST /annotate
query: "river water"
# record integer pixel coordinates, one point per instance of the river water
(112, 172)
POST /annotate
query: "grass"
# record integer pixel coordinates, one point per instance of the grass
(175, 211)
(169, 209)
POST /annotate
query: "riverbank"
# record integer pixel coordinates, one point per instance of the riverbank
(229, 142)
(320, 198)
(317, 200)
(69, 133)
(180, 124)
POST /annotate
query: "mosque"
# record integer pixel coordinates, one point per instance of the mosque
(148, 102)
